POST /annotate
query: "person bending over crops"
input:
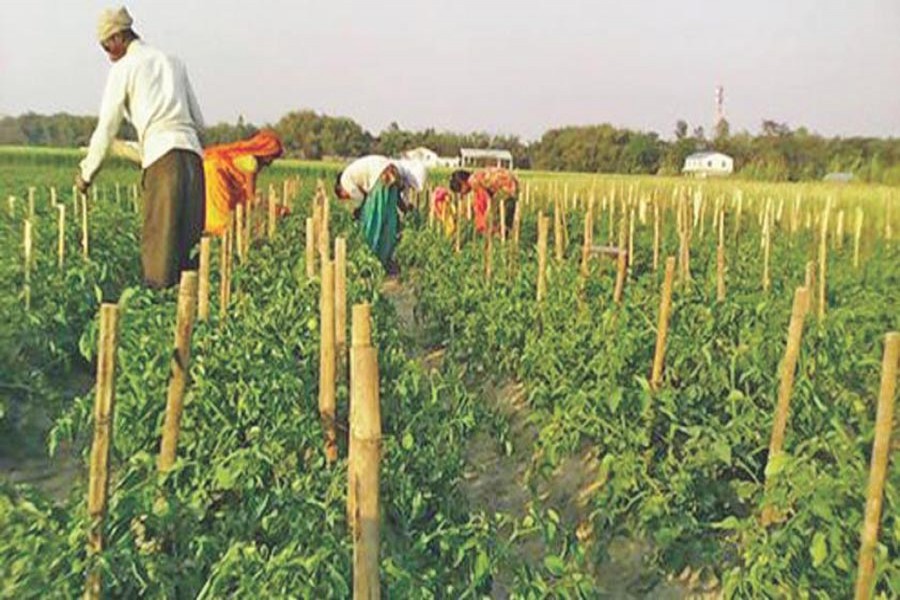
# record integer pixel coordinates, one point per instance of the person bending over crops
(153, 91)
(376, 185)
(487, 185)
(230, 171)
(444, 209)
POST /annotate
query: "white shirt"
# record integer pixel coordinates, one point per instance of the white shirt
(360, 176)
(153, 92)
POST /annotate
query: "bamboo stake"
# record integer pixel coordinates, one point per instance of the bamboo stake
(884, 421)
(272, 208)
(458, 225)
(621, 272)
(104, 407)
(286, 194)
(543, 234)
(61, 236)
(488, 244)
(517, 224)
(823, 259)
(340, 299)
(181, 359)
(662, 328)
(720, 260)
(85, 249)
(31, 191)
(239, 231)
(224, 275)
(655, 236)
(310, 248)
(786, 386)
(27, 246)
(327, 361)
(502, 217)
(630, 257)
(203, 283)
(588, 242)
(11, 202)
(364, 464)
(857, 235)
(558, 232)
(323, 230)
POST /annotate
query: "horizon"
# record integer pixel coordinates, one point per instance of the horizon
(667, 59)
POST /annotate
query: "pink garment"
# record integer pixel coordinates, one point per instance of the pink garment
(439, 197)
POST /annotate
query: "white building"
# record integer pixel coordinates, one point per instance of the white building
(477, 157)
(429, 158)
(708, 164)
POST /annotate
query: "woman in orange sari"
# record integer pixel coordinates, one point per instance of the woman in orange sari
(490, 184)
(231, 171)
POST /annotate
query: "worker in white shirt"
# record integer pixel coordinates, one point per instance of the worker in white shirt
(377, 185)
(153, 92)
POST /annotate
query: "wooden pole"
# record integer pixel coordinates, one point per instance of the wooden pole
(286, 193)
(31, 191)
(543, 234)
(181, 359)
(881, 446)
(502, 217)
(839, 231)
(323, 230)
(655, 236)
(488, 243)
(310, 247)
(857, 234)
(239, 231)
(558, 232)
(621, 272)
(662, 328)
(272, 208)
(823, 259)
(327, 360)
(720, 259)
(104, 407)
(786, 385)
(224, 275)
(364, 465)
(588, 242)
(203, 283)
(340, 299)
(630, 256)
(61, 236)
(27, 244)
(85, 249)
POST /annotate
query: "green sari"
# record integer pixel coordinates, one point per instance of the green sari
(380, 221)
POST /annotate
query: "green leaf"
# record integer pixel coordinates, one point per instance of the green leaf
(482, 566)
(555, 565)
(408, 441)
(819, 549)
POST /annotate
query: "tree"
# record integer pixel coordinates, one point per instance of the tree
(681, 129)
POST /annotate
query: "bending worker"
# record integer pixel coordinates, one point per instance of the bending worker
(231, 171)
(377, 186)
(491, 184)
(154, 92)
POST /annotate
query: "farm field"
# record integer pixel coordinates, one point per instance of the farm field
(535, 440)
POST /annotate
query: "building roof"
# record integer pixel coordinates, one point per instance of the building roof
(840, 177)
(705, 154)
(485, 153)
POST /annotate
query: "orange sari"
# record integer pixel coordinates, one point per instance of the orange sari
(230, 171)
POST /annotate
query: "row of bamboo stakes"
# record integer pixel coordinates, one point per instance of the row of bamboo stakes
(363, 465)
(801, 306)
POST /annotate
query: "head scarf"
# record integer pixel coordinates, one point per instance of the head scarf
(265, 144)
(113, 21)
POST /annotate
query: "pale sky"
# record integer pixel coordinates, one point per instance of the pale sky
(496, 66)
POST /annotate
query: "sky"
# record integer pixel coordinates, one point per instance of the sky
(485, 65)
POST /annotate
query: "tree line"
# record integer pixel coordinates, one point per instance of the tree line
(776, 152)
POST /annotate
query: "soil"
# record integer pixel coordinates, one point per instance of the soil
(495, 482)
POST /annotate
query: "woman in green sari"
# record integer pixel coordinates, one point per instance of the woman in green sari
(376, 185)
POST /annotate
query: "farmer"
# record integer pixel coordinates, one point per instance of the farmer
(488, 184)
(376, 185)
(444, 209)
(231, 170)
(152, 90)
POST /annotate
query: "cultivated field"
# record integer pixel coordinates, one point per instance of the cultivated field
(645, 387)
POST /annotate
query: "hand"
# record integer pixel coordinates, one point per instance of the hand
(81, 184)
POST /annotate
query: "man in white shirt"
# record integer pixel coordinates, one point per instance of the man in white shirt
(153, 92)
(376, 184)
